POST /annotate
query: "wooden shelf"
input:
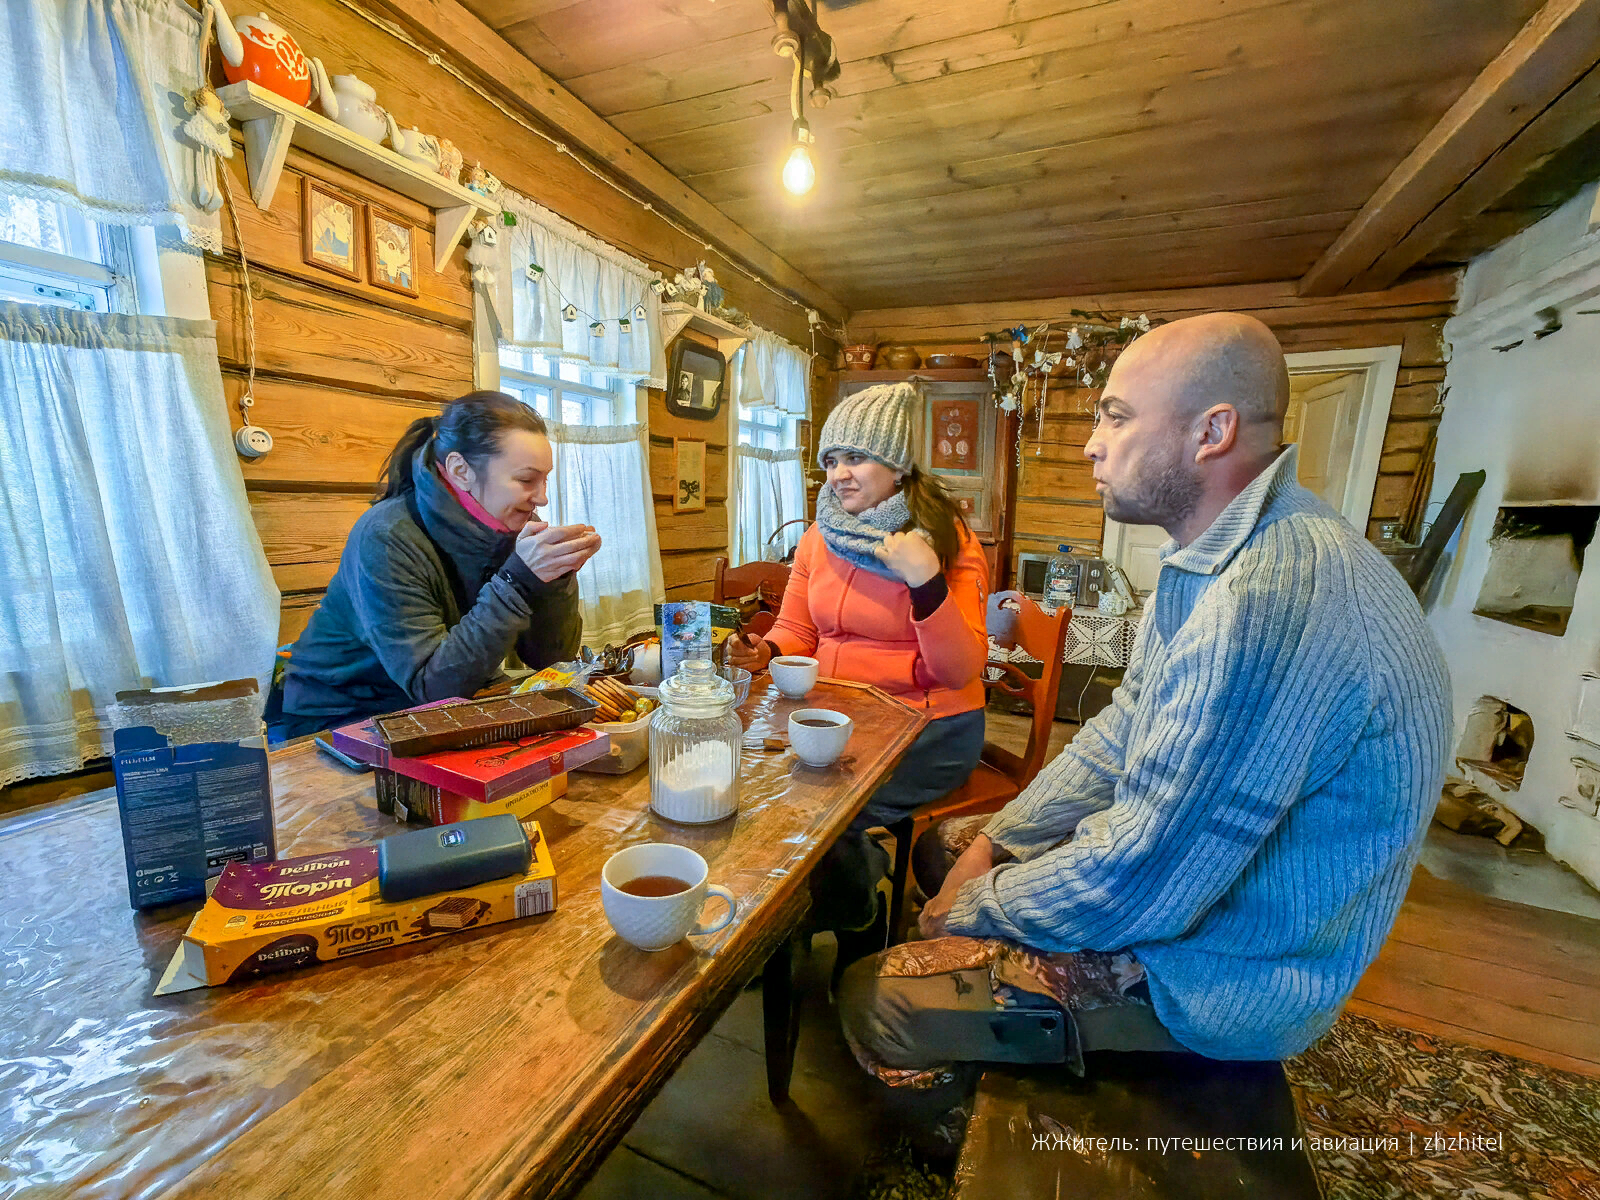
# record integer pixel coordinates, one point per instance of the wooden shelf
(675, 318)
(928, 374)
(272, 124)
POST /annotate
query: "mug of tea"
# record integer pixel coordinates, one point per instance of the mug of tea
(795, 674)
(818, 735)
(652, 895)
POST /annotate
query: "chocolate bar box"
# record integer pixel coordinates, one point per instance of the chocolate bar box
(296, 912)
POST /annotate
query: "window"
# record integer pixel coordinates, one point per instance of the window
(50, 254)
(766, 428)
(567, 393)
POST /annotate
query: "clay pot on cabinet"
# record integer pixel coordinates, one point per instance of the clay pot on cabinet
(258, 50)
(860, 357)
(900, 358)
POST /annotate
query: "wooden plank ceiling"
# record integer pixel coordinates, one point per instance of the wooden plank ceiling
(1010, 149)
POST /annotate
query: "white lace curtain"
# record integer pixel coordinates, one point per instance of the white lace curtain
(91, 109)
(774, 373)
(603, 286)
(602, 478)
(771, 492)
(127, 554)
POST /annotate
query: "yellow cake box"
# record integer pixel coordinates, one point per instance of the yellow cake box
(277, 916)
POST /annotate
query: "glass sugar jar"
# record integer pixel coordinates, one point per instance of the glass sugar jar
(695, 738)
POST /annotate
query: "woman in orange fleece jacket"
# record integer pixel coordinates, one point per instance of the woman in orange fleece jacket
(889, 587)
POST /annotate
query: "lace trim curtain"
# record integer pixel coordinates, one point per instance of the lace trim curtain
(774, 373)
(771, 491)
(603, 284)
(91, 112)
(127, 554)
(602, 478)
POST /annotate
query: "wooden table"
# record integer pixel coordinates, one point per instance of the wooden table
(505, 1061)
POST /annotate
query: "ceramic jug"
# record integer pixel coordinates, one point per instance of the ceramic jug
(259, 50)
(345, 99)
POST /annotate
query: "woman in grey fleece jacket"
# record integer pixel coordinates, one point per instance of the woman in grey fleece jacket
(445, 575)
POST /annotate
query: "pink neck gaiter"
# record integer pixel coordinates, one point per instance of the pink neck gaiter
(476, 510)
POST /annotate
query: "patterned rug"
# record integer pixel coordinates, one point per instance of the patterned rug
(1391, 1114)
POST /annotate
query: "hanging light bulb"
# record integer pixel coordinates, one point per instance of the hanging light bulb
(799, 172)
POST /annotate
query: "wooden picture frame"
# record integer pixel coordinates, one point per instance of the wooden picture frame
(330, 224)
(689, 475)
(391, 251)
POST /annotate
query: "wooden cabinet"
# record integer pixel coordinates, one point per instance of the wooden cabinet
(963, 438)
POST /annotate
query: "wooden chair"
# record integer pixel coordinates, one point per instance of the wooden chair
(1012, 620)
(764, 580)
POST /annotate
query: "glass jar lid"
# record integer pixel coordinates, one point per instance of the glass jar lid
(696, 689)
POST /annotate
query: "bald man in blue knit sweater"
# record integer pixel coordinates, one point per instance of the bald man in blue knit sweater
(1217, 857)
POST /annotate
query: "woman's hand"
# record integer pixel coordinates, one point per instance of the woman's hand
(552, 551)
(910, 556)
(747, 651)
(976, 860)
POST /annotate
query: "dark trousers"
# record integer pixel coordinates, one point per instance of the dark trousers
(844, 885)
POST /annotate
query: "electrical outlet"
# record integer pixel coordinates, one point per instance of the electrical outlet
(252, 441)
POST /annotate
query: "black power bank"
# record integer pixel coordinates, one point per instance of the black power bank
(449, 858)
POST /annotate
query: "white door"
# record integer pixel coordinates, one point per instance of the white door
(1133, 548)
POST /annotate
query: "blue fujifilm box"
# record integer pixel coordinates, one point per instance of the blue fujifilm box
(187, 811)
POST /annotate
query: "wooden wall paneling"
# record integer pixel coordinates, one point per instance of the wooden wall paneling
(696, 531)
(323, 438)
(304, 535)
(312, 333)
(1411, 314)
(272, 240)
(690, 542)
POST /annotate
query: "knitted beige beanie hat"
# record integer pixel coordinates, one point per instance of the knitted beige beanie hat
(875, 421)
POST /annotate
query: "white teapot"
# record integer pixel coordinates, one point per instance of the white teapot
(345, 99)
(419, 147)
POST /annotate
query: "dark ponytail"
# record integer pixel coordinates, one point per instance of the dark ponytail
(472, 425)
(934, 512)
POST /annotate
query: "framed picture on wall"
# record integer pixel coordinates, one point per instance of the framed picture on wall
(697, 377)
(391, 251)
(689, 483)
(329, 228)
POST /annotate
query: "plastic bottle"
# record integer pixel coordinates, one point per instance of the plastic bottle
(1060, 581)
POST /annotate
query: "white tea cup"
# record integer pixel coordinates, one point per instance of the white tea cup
(795, 674)
(819, 735)
(662, 918)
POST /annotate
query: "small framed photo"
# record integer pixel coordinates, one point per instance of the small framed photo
(329, 220)
(689, 484)
(391, 251)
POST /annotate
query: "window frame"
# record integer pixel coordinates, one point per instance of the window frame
(101, 277)
(755, 428)
(557, 392)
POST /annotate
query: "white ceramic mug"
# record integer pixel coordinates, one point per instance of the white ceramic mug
(795, 674)
(819, 745)
(657, 922)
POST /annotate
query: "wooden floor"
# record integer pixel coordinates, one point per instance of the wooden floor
(1524, 981)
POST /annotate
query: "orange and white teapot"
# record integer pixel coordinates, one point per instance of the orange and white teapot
(261, 51)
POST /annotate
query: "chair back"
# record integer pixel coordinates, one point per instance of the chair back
(1014, 620)
(764, 580)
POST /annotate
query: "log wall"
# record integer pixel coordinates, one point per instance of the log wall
(1055, 492)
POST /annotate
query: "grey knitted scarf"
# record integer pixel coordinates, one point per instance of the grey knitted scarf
(855, 537)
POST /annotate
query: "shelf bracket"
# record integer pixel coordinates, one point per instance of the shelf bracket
(449, 224)
(266, 146)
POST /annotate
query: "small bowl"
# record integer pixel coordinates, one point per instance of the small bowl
(740, 678)
(952, 362)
